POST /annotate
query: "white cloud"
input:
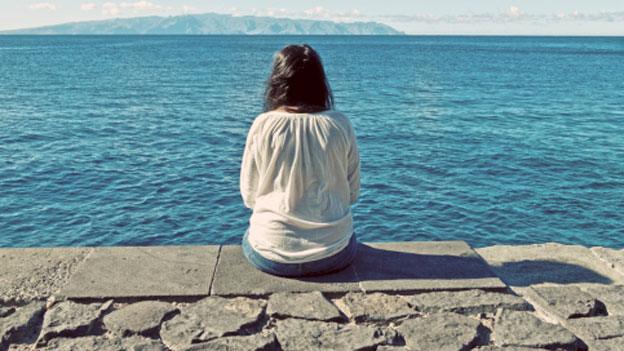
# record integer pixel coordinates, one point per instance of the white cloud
(140, 6)
(130, 8)
(110, 9)
(513, 15)
(514, 11)
(43, 6)
(88, 6)
(316, 13)
(268, 12)
(188, 9)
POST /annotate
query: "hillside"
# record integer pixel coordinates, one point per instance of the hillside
(212, 23)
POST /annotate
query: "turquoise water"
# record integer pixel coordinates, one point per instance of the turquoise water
(137, 140)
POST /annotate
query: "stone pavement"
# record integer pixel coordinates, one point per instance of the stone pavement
(396, 296)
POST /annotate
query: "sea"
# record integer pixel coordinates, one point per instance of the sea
(137, 140)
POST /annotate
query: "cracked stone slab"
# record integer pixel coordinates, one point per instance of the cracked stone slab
(70, 319)
(20, 324)
(375, 307)
(211, 318)
(519, 328)
(611, 295)
(256, 342)
(406, 267)
(510, 348)
(300, 334)
(100, 343)
(565, 302)
(35, 274)
(482, 348)
(467, 302)
(5, 311)
(252, 282)
(613, 258)
(525, 265)
(597, 327)
(313, 306)
(156, 271)
(141, 318)
(614, 344)
(442, 331)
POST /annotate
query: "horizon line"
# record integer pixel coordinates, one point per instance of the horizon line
(4, 33)
(370, 21)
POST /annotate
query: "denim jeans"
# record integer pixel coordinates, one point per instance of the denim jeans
(326, 265)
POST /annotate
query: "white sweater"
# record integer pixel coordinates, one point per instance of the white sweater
(300, 174)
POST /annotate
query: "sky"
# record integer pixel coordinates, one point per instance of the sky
(523, 17)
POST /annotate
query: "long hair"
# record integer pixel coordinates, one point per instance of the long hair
(298, 80)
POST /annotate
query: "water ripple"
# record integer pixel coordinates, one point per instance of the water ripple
(138, 140)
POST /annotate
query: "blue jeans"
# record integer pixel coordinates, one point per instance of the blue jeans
(326, 265)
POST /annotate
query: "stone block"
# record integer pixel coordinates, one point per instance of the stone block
(405, 267)
(612, 257)
(71, 319)
(234, 276)
(29, 274)
(211, 318)
(312, 306)
(510, 348)
(298, 334)
(255, 342)
(523, 329)
(375, 307)
(525, 265)
(442, 331)
(141, 318)
(19, 324)
(615, 344)
(597, 327)
(564, 302)
(100, 343)
(5, 311)
(611, 295)
(467, 302)
(141, 272)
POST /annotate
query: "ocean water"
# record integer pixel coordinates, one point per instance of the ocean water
(134, 140)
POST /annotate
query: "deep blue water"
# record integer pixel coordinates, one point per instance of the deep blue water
(137, 140)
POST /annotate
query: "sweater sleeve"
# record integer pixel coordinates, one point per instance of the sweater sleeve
(249, 170)
(353, 159)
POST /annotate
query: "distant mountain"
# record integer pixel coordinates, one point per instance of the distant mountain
(212, 23)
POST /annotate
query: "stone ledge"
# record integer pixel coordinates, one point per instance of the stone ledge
(386, 267)
(525, 265)
(570, 298)
(235, 277)
(376, 321)
(198, 271)
(423, 266)
(174, 272)
(140, 272)
(30, 274)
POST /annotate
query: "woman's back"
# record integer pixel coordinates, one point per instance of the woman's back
(300, 174)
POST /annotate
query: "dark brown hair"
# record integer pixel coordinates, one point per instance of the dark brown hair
(298, 80)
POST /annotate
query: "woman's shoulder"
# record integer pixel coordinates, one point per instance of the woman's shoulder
(337, 115)
(277, 115)
(341, 118)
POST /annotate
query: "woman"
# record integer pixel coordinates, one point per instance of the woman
(300, 173)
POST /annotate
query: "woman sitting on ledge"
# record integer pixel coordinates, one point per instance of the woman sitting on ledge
(300, 173)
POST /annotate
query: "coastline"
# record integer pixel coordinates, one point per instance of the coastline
(396, 296)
